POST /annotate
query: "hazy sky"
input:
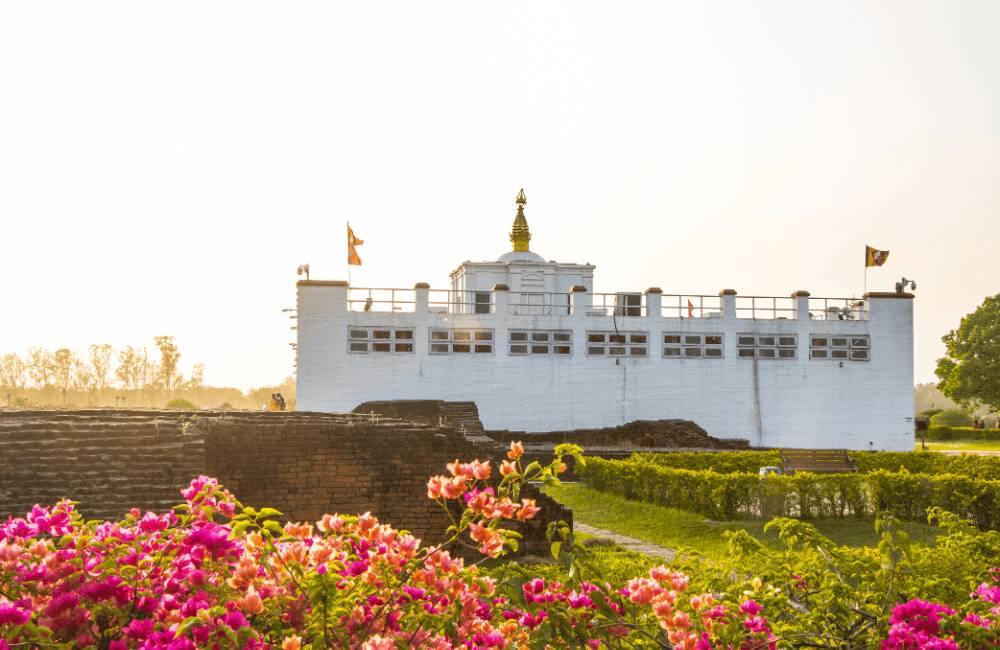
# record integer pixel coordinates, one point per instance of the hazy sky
(164, 167)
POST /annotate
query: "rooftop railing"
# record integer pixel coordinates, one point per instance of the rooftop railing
(374, 299)
(622, 304)
(838, 309)
(690, 306)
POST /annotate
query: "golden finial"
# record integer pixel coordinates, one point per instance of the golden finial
(520, 235)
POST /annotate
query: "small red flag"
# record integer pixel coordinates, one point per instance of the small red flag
(690, 309)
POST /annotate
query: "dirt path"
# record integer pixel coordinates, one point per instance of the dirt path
(629, 543)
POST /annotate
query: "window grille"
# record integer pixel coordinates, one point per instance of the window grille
(692, 346)
(532, 342)
(461, 341)
(767, 346)
(617, 344)
(840, 348)
(379, 339)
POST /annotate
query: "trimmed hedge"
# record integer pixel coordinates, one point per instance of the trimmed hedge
(724, 462)
(961, 433)
(739, 494)
(916, 462)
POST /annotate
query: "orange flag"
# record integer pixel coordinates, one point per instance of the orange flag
(690, 309)
(352, 252)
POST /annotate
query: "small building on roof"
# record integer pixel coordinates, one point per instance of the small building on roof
(537, 349)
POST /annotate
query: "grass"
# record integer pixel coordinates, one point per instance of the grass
(680, 529)
(961, 445)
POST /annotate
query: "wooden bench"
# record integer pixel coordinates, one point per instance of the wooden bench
(817, 460)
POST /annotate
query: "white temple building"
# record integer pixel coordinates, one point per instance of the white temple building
(530, 342)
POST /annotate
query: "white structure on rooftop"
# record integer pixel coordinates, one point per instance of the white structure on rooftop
(537, 350)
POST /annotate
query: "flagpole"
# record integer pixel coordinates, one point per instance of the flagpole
(348, 262)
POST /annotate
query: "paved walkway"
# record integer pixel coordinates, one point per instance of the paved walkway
(630, 543)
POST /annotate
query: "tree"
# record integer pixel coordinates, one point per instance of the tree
(100, 365)
(124, 372)
(83, 375)
(197, 380)
(40, 366)
(63, 362)
(133, 370)
(970, 369)
(13, 371)
(169, 356)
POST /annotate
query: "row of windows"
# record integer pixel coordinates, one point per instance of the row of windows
(766, 346)
(540, 342)
(617, 344)
(379, 339)
(611, 344)
(853, 348)
(461, 341)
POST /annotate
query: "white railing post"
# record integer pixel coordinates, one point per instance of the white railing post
(421, 293)
(801, 305)
(654, 302)
(579, 298)
(728, 297)
(501, 299)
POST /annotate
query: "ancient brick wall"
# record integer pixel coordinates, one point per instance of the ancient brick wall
(303, 464)
(109, 461)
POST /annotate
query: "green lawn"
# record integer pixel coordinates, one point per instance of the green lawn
(680, 529)
(961, 445)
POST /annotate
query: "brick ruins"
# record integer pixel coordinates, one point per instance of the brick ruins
(608, 442)
(304, 464)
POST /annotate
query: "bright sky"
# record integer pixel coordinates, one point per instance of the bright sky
(164, 167)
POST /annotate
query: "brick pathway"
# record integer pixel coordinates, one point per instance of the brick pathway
(629, 543)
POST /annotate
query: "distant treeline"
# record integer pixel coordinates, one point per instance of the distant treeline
(129, 377)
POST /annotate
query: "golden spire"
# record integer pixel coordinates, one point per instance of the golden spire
(520, 235)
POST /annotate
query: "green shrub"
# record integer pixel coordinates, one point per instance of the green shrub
(904, 494)
(723, 462)
(952, 418)
(916, 462)
(181, 404)
(939, 432)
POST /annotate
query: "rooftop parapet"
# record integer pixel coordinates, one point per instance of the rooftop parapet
(580, 302)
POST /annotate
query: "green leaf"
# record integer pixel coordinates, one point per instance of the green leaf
(268, 512)
(186, 625)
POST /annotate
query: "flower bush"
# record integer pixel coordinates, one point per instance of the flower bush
(216, 574)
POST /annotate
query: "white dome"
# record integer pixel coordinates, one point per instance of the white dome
(520, 256)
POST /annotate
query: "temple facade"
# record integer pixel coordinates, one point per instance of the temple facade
(538, 350)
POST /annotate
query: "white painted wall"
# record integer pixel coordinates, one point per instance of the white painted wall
(523, 275)
(802, 402)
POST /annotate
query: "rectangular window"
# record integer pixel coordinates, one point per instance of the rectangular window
(849, 348)
(692, 346)
(537, 342)
(482, 302)
(461, 341)
(618, 344)
(767, 346)
(379, 339)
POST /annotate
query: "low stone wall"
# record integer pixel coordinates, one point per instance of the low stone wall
(304, 464)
